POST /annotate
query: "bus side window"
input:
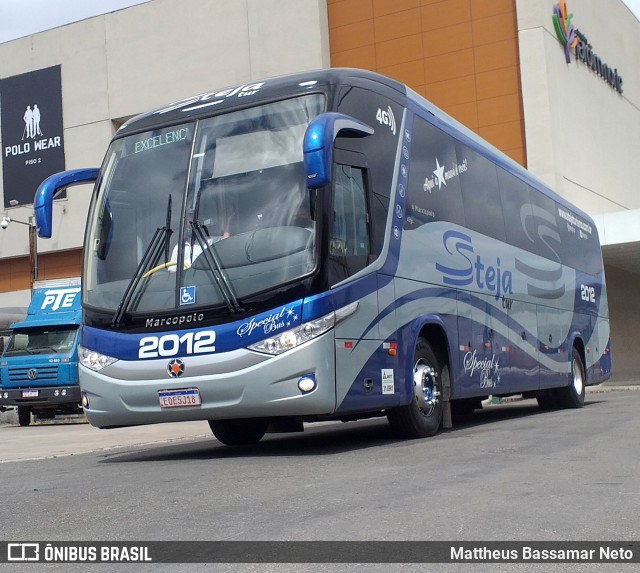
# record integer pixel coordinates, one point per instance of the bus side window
(350, 230)
(349, 234)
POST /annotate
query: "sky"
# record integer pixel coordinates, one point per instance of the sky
(24, 17)
(634, 5)
(20, 18)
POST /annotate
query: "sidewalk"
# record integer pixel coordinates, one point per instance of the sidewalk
(53, 440)
(616, 383)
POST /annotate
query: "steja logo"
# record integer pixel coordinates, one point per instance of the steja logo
(564, 28)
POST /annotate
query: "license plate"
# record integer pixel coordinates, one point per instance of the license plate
(29, 393)
(179, 398)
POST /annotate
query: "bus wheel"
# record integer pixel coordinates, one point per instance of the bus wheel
(572, 396)
(24, 415)
(422, 417)
(547, 400)
(465, 407)
(238, 432)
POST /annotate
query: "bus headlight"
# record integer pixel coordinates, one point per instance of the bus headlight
(304, 332)
(94, 360)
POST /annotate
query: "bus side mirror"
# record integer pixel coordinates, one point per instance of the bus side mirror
(318, 144)
(43, 200)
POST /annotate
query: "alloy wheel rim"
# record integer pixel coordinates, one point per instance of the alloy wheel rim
(425, 387)
(578, 381)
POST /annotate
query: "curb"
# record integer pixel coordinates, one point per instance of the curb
(598, 389)
(10, 417)
(612, 388)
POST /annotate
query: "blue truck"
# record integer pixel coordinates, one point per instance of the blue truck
(39, 365)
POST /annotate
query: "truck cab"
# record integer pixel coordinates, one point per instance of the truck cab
(39, 364)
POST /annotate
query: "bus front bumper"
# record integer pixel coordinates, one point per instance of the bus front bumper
(240, 384)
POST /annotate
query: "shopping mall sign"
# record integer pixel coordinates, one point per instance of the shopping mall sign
(32, 139)
(574, 40)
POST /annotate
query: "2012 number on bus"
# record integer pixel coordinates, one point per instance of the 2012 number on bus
(202, 342)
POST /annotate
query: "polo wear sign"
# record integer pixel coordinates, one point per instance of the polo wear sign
(32, 136)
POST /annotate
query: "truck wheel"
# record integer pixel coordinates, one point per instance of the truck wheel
(239, 432)
(422, 417)
(24, 415)
(572, 396)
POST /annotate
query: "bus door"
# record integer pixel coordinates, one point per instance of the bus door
(363, 179)
(362, 368)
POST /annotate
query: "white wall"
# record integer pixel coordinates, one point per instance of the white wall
(582, 136)
(124, 63)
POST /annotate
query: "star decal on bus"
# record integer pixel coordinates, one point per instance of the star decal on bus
(439, 173)
(292, 313)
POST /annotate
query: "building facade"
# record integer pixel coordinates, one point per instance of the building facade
(571, 116)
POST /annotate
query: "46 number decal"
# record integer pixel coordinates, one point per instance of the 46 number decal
(171, 344)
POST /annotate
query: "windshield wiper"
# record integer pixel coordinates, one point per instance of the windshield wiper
(152, 253)
(159, 242)
(215, 265)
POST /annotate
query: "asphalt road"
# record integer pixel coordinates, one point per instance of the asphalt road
(511, 472)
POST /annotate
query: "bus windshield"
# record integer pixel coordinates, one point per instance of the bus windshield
(203, 213)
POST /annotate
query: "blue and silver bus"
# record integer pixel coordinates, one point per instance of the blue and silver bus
(326, 245)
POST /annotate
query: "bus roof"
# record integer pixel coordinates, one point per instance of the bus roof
(259, 90)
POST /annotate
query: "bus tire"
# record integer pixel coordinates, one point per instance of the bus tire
(24, 415)
(465, 407)
(422, 417)
(241, 432)
(572, 396)
(547, 400)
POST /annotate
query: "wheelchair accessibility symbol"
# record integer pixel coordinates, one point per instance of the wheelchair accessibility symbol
(187, 295)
